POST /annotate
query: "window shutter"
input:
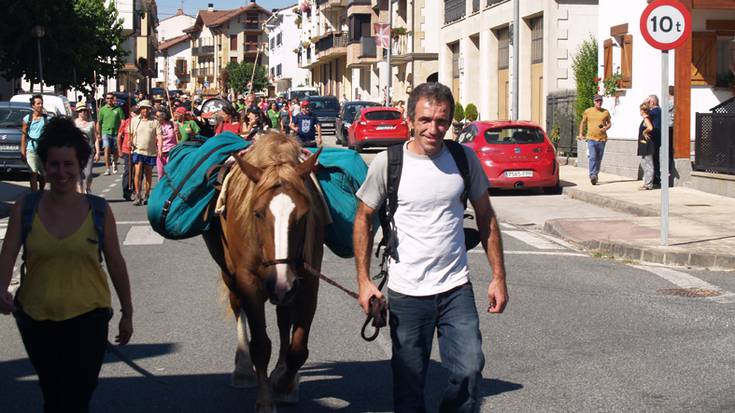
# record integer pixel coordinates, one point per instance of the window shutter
(608, 63)
(626, 62)
(704, 58)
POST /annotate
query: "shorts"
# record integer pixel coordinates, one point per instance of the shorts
(34, 162)
(145, 160)
(109, 141)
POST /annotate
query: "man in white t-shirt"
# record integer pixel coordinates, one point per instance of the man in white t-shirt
(429, 285)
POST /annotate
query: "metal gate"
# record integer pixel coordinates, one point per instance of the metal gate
(561, 122)
(714, 144)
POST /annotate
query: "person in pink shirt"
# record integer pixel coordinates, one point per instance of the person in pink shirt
(166, 141)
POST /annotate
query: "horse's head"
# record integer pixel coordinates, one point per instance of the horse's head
(279, 211)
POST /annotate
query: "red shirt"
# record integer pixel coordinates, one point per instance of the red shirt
(124, 143)
(233, 127)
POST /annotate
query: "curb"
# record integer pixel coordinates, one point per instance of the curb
(611, 203)
(621, 250)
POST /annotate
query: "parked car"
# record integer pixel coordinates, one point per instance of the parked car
(158, 93)
(326, 109)
(514, 154)
(55, 105)
(346, 116)
(302, 92)
(11, 119)
(377, 126)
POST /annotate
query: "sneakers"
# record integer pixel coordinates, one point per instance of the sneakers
(645, 188)
(593, 179)
(107, 172)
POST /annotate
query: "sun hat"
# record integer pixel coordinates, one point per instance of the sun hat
(181, 110)
(80, 107)
(145, 103)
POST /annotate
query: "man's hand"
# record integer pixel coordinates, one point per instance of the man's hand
(580, 137)
(6, 303)
(497, 294)
(367, 290)
(97, 156)
(125, 330)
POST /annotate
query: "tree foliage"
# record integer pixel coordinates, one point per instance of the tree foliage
(584, 65)
(458, 112)
(471, 112)
(82, 37)
(239, 75)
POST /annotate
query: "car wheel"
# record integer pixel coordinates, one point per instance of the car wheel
(553, 190)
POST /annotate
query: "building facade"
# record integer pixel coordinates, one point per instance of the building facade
(219, 37)
(702, 73)
(283, 43)
(476, 52)
(174, 52)
(140, 19)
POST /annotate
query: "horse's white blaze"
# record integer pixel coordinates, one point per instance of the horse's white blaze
(281, 207)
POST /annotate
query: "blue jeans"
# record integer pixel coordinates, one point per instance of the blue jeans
(412, 324)
(595, 150)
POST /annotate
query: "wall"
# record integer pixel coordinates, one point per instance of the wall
(284, 54)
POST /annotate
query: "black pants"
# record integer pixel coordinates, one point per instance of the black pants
(126, 188)
(67, 356)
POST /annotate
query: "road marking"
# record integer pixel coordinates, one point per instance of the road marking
(534, 240)
(106, 190)
(132, 222)
(2, 233)
(139, 235)
(506, 226)
(553, 253)
(684, 280)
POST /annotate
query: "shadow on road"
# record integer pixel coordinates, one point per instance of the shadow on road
(353, 386)
(9, 192)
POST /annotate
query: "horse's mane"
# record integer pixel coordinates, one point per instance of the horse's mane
(277, 156)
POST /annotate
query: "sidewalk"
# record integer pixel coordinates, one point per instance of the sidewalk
(701, 225)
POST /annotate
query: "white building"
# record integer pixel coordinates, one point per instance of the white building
(702, 72)
(476, 58)
(283, 44)
(174, 52)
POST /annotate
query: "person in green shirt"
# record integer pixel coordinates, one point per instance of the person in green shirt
(274, 116)
(187, 127)
(109, 118)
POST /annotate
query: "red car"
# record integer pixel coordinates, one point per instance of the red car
(514, 154)
(377, 126)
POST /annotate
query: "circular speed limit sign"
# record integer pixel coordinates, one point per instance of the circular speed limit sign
(666, 24)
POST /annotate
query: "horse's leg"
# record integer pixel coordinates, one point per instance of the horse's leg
(283, 315)
(260, 347)
(286, 380)
(244, 375)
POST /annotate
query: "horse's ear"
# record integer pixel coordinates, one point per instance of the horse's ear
(249, 170)
(305, 168)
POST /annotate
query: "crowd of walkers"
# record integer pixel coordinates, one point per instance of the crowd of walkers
(142, 131)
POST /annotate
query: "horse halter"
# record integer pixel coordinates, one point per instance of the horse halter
(296, 262)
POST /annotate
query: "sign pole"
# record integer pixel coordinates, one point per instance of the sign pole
(664, 152)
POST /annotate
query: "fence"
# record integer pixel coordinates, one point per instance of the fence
(714, 143)
(561, 123)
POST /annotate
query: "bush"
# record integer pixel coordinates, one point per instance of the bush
(458, 112)
(471, 112)
(584, 65)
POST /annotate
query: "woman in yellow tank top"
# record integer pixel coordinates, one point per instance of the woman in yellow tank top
(63, 305)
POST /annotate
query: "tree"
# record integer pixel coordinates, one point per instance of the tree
(584, 65)
(241, 73)
(471, 112)
(82, 37)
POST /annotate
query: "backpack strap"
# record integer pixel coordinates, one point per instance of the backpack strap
(98, 205)
(460, 158)
(30, 206)
(388, 210)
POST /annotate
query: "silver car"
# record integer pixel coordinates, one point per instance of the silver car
(11, 118)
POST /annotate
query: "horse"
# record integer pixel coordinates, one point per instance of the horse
(269, 244)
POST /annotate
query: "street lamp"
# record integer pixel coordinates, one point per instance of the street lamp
(38, 32)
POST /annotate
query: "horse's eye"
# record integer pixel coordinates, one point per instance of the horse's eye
(259, 214)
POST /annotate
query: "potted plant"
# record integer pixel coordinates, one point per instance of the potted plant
(471, 114)
(458, 118)
(397, 32)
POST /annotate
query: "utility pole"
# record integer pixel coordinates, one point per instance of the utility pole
(516, 57)
(390, 52)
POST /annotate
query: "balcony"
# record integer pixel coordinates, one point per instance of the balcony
(327, 5)
(250, 47)
(251, 26)
(493, 2)
(454, 10)
(202, 72)
(362, 52)
(202, 51)
(333, 45)
(358, 6)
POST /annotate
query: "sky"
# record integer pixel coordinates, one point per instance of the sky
(166, 8)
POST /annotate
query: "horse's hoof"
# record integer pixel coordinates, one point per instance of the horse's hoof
(243, 381)
(288, 398)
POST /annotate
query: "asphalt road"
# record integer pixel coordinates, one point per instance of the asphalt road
(582, 333)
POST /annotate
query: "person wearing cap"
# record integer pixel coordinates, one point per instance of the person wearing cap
(146, 132)
(109, 118)
(187, 127)
(306, 126)
(597, 122)
(85, 123)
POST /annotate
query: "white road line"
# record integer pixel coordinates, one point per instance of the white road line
(139, 235)
(132, 222)
(553, 253)
(684, 280)
(506, 226)
(106, 190)
(534, 240)
(2, 233)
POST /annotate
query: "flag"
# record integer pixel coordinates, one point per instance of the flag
(382, 34)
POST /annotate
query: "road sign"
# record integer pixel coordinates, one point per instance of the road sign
(206, 84)
(666, 24)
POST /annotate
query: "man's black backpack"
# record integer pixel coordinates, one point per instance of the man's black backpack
(388, 210)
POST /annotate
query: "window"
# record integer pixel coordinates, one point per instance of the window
(537, 40)
(724, 54)
(608, 58)
(233, 59)
(180, 67)
(273, 44)
(454, 48)
(359, 26)
(279, 39)
(704, 58)
(626, 62)
(503, 48)
(273, 71)
(513, 136)
(383, 115)
(467, 135)
(278, 70)
(233, 42)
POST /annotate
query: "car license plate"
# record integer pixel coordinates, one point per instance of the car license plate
(518, 174)
(384, 127)
(9, 148)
